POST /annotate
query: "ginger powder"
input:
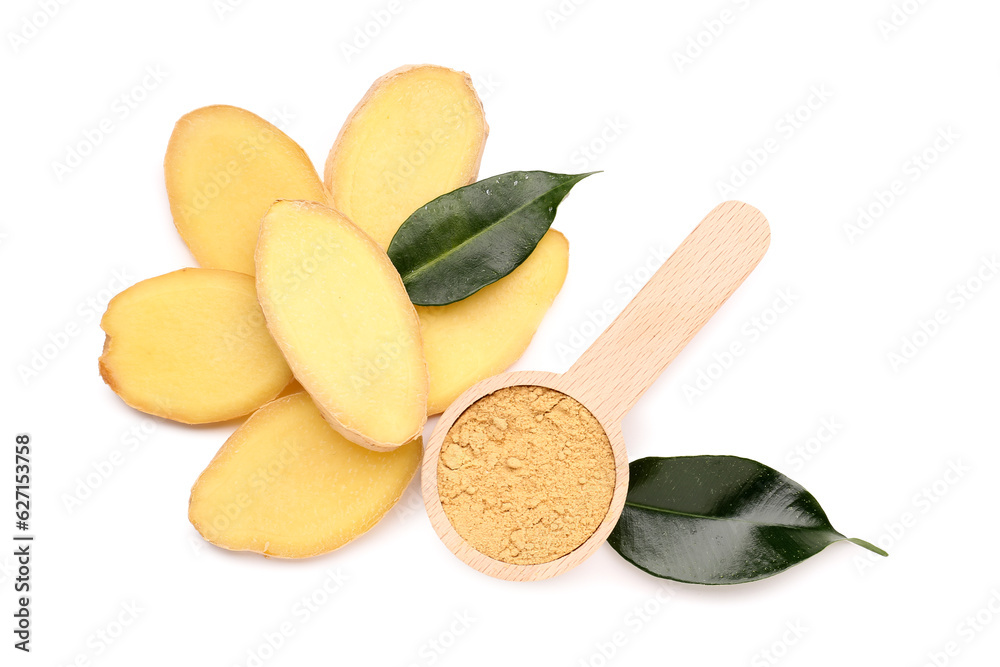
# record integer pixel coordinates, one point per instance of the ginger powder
(526, 475)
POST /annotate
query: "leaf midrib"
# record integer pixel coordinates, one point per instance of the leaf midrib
(443, 255)
(660, 510)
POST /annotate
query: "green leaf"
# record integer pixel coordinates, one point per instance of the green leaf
(474, 236)
(718, 520)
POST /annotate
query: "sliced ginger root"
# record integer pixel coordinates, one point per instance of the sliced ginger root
(482, 335)
(191, 346)
(338, 310)
(286, 484)
(224, 168)
(418, 133)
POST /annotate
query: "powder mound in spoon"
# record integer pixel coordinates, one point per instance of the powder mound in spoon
(526, 475)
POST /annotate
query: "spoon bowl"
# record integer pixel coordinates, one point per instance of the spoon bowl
(432, 498)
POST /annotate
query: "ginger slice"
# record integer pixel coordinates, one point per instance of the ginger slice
(224, 168)
(482, 335)
(418, 133)
(338, 310)
(191, 346)
(286, 484)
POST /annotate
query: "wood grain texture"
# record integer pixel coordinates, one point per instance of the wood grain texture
(680, 298)
(611, 375)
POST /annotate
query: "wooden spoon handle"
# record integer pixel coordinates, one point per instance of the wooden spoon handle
(614, 372)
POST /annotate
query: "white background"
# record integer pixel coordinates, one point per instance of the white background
(666, 133)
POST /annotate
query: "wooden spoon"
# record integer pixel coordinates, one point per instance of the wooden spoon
(614, 372)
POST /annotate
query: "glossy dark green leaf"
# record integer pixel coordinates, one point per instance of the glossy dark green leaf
(718, 520)
(474, 236)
